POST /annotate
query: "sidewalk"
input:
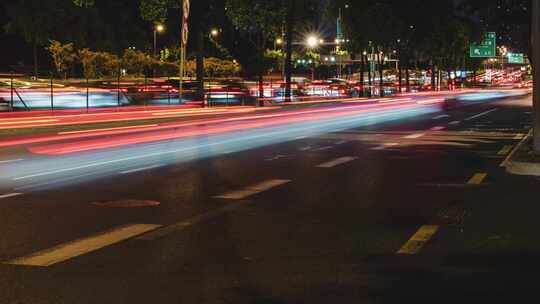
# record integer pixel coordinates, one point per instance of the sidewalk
(522, 160)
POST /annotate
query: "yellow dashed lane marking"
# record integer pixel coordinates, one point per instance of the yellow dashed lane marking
(419, 239)
(505, 150)
(477, 179)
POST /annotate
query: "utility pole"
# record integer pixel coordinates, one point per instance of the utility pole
(535, 42)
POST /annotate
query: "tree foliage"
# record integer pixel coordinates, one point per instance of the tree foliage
(63, 56)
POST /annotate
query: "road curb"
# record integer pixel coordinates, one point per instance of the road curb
(519, 167)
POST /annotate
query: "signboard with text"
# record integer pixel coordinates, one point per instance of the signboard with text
(486, 49)
(516, 58)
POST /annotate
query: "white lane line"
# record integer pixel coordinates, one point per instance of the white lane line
(306, 148)
(254, 189)
(141, 169)
(384, 146)
(341, 142)
(337, 162)
(83, 246)
(456, 122)
(323, 148)
(300, 137)
(440, 117)
(438, 128)
(182, 225)
(481, 114)
(414, 136)
(11, 161)
(418, 240)
(10, 195)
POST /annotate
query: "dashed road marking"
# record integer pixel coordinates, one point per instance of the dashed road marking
(9, 195)
(80, 247)
(11, 161)
(337, 162)
(306, 148)
(438, 128)
(414, 136)
(141, 169)
(254, 189)
(182, 225)
(481, 114)
(505, 150)
(384, 146)
(453, 123)
(440, 117)
(477, 179)
(419, 240)
(323, 148)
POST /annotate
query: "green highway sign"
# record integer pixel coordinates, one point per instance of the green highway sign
(487, 48)
(516, 58)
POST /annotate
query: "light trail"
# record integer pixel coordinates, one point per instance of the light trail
(35, 174)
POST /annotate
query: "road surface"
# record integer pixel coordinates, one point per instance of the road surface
(352, 203)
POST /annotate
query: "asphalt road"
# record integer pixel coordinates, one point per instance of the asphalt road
(415, 208)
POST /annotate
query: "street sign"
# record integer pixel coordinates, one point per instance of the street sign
(516, 58)
(486, 49)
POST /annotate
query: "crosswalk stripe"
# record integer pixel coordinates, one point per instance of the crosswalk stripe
(80, 247)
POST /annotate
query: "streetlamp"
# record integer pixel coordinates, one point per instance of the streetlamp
(279, 43)
(312, 42)
(214, 32)
(158, 28)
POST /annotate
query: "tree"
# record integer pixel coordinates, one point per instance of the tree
(63, 56)
(259, 22)
(87, 59)
(35, 21)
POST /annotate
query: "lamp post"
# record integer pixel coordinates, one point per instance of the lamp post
(312, 42)
(158, 28)
(279, 43)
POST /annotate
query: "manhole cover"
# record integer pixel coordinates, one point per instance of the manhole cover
(127, 204)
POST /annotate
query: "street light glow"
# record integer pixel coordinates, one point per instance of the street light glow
(279, 41)
(160, 28)
(312, 41)
(214, 32)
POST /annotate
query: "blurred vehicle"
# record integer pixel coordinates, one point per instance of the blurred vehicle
(228, 92)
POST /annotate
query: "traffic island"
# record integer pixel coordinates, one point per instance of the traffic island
(523, 160)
